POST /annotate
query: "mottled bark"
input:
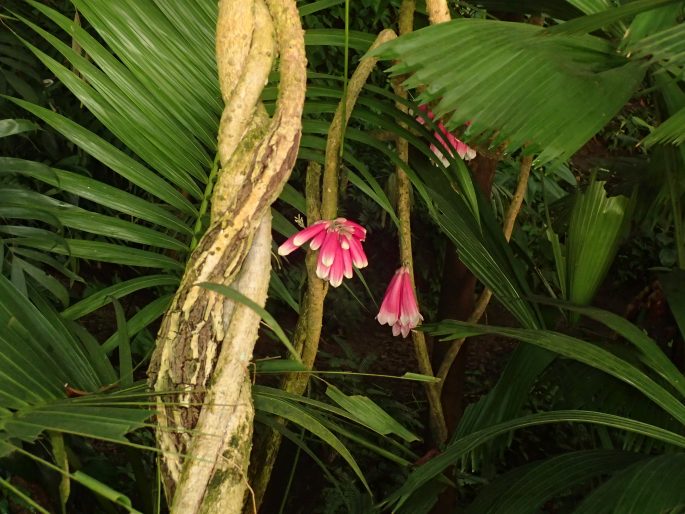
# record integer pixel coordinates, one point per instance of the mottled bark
(199, 367)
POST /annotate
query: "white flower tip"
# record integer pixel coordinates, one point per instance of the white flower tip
(286, 248)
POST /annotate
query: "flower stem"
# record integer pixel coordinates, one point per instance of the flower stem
(329, 198)
(437, 418)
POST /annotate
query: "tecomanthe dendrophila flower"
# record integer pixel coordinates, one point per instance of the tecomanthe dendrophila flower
(339, 242)
(399, 308)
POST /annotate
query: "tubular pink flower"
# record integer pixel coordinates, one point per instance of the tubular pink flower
(357, 230)
(318, 240)
(357, 252)
(399, 308)
(337, 269)
(390, 306)
(322, 271)
(294, 242)
(339, 245)
(329, 247)
(347, 263)
(451, 145)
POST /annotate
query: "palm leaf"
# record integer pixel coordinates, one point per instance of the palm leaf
(595, 217)
(574, 348)
(525, 489)
(40, 355)
(463, 446)
(650, 485)
(518, 84)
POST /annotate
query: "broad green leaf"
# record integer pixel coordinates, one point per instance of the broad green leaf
(280, 291)
(111, 156)
(106, 252)
(114, 109)
(157, 56)
(595, 217)
(38, 355)
(670, 131)
(76, 417)
(95, 191)
(100, 298)
(649, 350)
(366, 412)
(124, 344)
(666, 46)
(140, 320)
(43, 280)
(88, 221)
(586, 24)
(271, 422)
(281, 224)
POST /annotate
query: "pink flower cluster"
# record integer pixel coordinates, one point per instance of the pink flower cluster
(450, 143)
(399, 308)
(339, 242)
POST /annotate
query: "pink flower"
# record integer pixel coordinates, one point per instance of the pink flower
(339, 242)
(451, 143)
(399, 308)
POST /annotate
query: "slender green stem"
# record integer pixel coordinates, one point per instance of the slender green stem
(437, 418)
(346, 71)
(199, 229)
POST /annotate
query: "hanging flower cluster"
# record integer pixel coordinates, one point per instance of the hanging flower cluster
(399, 308)
(450, 143)
(339, 242)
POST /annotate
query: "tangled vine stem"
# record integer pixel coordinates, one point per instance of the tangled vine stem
(206, 341)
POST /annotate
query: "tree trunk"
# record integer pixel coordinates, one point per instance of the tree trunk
(199, 369)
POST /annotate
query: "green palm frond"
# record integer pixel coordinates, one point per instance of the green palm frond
(595, 217)
(670, 131)
(543, 480)
(41, 358)
(517, 84)
(647, 486)
(666, 47)
(465, 445)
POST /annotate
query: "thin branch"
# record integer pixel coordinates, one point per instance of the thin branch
(437, 418)
(329, 200)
